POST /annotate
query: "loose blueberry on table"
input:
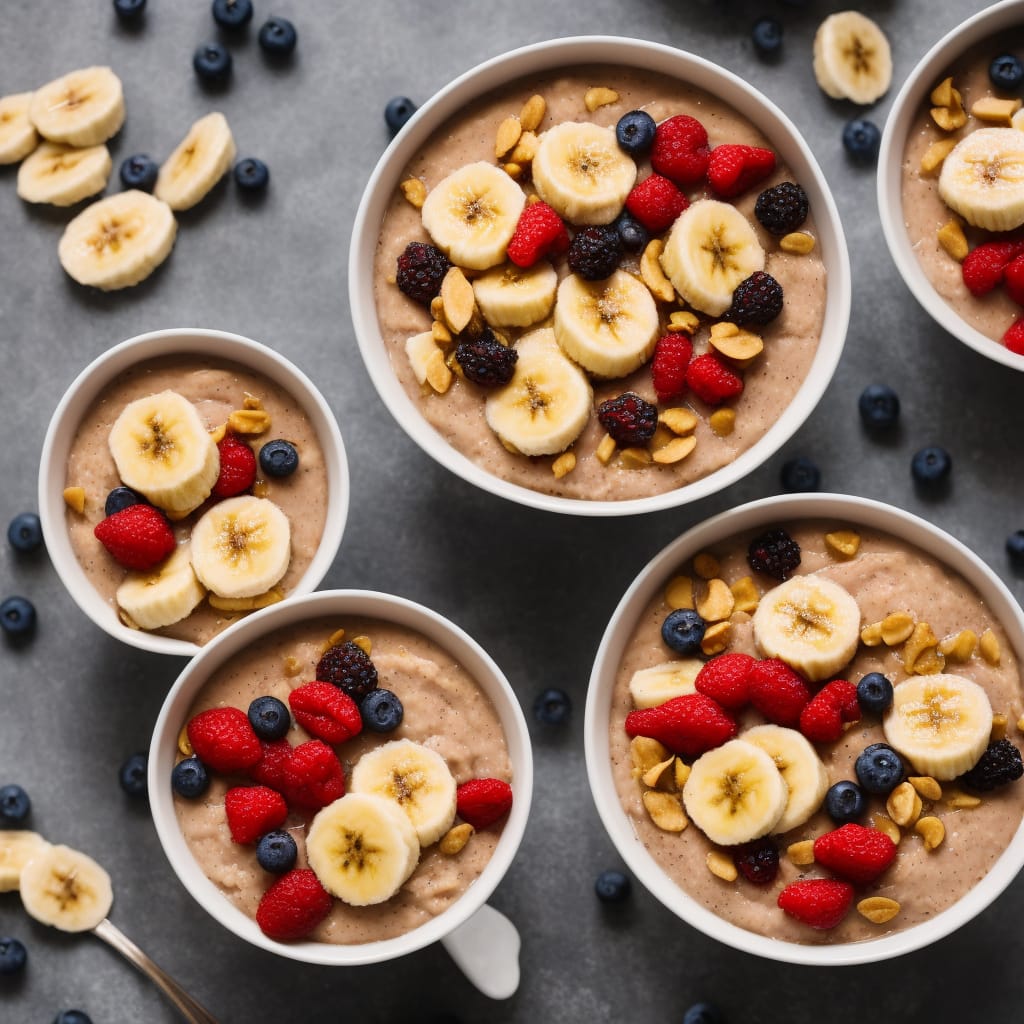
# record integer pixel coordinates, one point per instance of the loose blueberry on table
(612, 887)
(212, 63)
(25, 532)
(397, 111)
(139, 171)
(232, 14)
(132, 775)
(552, 707)
(17, 616)
(277, 37)
(251, 175)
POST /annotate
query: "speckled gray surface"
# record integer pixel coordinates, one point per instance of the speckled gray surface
(535, 589)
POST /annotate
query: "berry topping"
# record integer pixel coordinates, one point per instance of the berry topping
(757, 861)
(1013, 280)
(879, 407)
(861, 139)
(276, 852)
(252, 811)
(397, 111)
(633, 234)
(656, 202)
(132, 775)
(1006, 72)
(485, 361)
(777, 692)
(724, 680)
(348, 666)
(482, 802)
(845, 802)
(800, 474)
(278, 458)
(687, 725)
(293, 906)
(635, 132)
(139, 171)
(212, 63)
(381, 710)
(15, 804)
(237, 467)
(552, 707)
(223, 739)
(421, 269)
(612, 886)
(999, 765)
(269, 769)
(683, 630)
(766, 35)
(830, 708)
(854, 852)
(672, 355)
(711, 380)
(312, 776)
(326, 712)
(277, 37)
(774, 553)
(13, 956)
(269, 718)
(985, 265)
(121, 498)
(756, 300)
(251, 175)
(540, 232)
(680, 150)
(232, 14)
(818, 902)
(733, 169)
(1013, 339)
(879, 769)
(595, 252)
(25, 532)
(781, 208)
(138, 537)
(874, 693)
(630, 419)
(17, 616)
(189, 778)
(931, 465)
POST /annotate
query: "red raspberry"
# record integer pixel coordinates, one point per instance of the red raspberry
(854, 852)
(1013, 280)
(777, 692)
(984, 266)
(733, 169)
(668, 365)
(539, 233)
(818, 902)
(687, 725)
(312, 776)
(269, 769)
(223, 739)
(293, 906)
(1013, 339)
(138, 537)
(325, 711)
(482, 802)
(252, 811)
(822, 720)
(680, 150)
(724, 679)
(656, 202)
(237, 467)
(712, 381)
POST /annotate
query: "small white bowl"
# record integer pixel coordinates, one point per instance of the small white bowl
(89, 384)
(918, 84)
(857, 511)
(477, 663)
(565, 53)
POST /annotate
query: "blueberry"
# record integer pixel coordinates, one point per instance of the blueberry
(232, 14)
(879, 769)
(121, 498)
(269, 718)
(397, 111)
(276, 852)
(703, 1013)
(800, 474)
(14, 804)
(632, 233)
(72, 1017)
(13, 955)
(931, 465)
(766, 36)
(189, 778)
(683, 630)
(879, 407)
(279, 458)
(132, 775)
(612, 886)
(874, 693)
(381, 710)
(861, 139)
(17, 616)
(25, 532)
(129, 10)
(212, 63)
(845, 802)
(552, 707)
(1015, 548)
(1006, 72)
(251, 175)
(635, 132)
(138, 171)
(277, 37)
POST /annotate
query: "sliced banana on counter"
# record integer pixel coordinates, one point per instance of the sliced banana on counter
(852, 59)
(164, 596)
(200, 160)
(17, 848)
(66, 889)
(651, 687)
(18, 135)
(511, 296)
(82, 108)
(63, 175)
(804, 773)
(982, 179)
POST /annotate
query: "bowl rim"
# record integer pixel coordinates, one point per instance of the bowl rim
(577, 51)
(86, 387)
(890, 165)
(849, 508)
(373, 604)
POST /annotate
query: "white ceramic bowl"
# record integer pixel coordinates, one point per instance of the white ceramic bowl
(90, 383)
(858, 511)
(564, 53)
(918, 84)
(336, 604)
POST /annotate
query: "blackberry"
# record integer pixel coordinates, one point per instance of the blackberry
(629, 419)
(1000, 764)
(758, 861)
(774, 553)
(421, 269)
(781, 209)
(349, 668)
(756, 300)
(595, 252)
(485, 361)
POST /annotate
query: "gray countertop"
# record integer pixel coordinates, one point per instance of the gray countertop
(74, 702)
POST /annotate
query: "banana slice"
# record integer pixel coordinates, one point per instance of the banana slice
(362, 848)
(118, 241)
(581, 171)
(81, 108)
(852, 60)
(805, 775)
(162, 450)
(415, 778)
(809, 622)
(66, 889)
(735, 793)
(164, 596)
(982, 179)
(201, 159)
(711, 248)
(941, 723)
(17, 848)
(652, 686)
(546, 404)
(241, 547)
(18, 135)
(472, 214)
(510, 296)
(609, 327)
(63, 175)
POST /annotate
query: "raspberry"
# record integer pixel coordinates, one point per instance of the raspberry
(252, 811)
(1013, 280)
(756, 300)
(137, 537)
(539, 233)
(999, 765)
(269, 769)
(818, 902)
(774, 553)
(855, 853)
(680, 150)
(656, 202)
(757, 861)
(421, 269)
(777, 692)
(349, 667)
(485, 361)
(724, 679)
(237, 467)
(293, 906)
(595, 252)
(1013, 339)
(687, 725)
(984, 266)
(668, 366)
(782, 208)
(223, 739)
(733, 169)
(325, 711)
(312, 776)
(481, 802)
(628, 418)
(822, 720)
(712, 381)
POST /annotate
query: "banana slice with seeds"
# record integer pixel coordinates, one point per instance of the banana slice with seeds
(982, 179)
(17, 848)
(165, 595)
(511, 296)
(63, 175)
(82, 108)
(200, 160)
(852, 58)
(805, 775)
(651, 687)
(18, 135)
(66, 889)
